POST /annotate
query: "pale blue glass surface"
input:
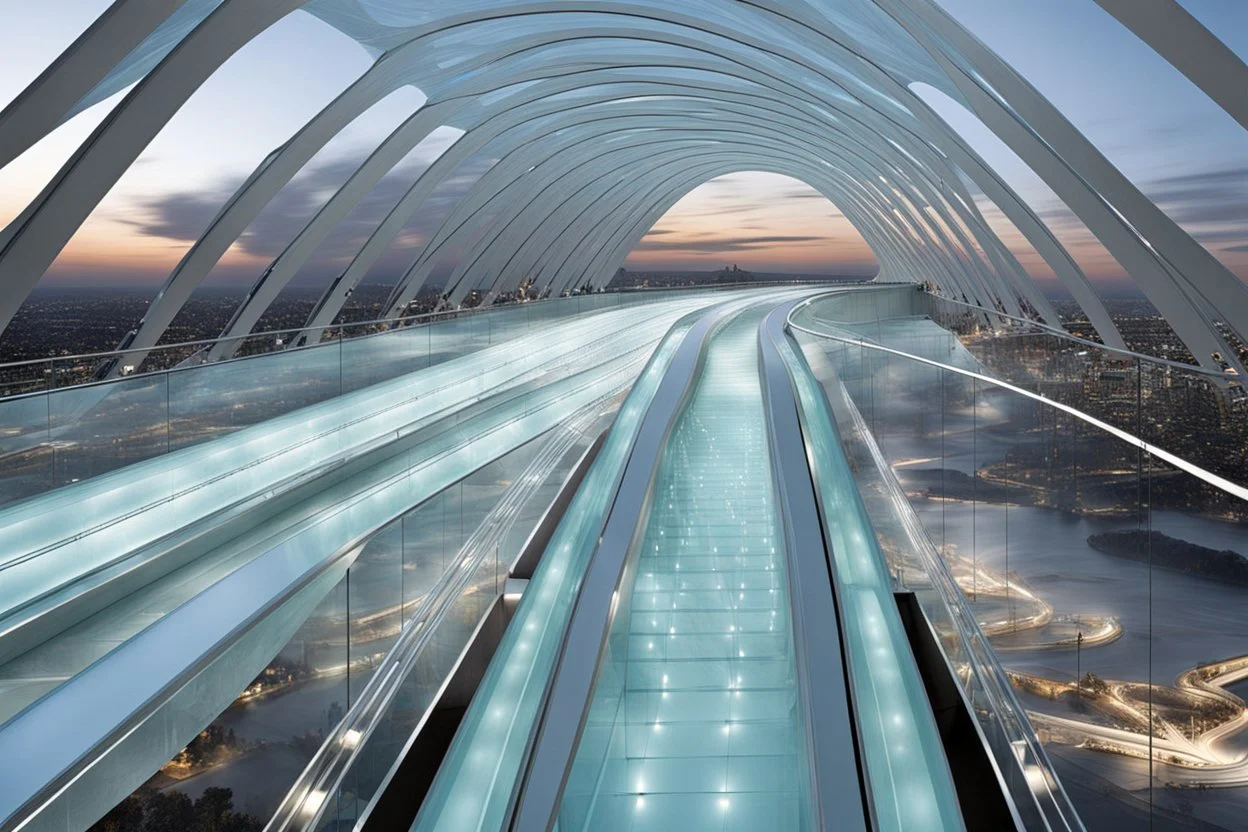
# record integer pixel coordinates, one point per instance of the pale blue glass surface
(101, 519)
(57, 430)
(695, 722)
(474, 783)
(911, 788)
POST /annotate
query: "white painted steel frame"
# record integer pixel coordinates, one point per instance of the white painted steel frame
(590, 116)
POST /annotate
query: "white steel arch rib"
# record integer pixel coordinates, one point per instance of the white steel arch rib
(532, 241)
(52, 96)
(653, 107)
(348, 283)
(590, 117)
(165, 298)
(1193, 50)
(159, 323)
(269, 284)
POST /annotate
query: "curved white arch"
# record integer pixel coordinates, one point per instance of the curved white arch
(827, 84)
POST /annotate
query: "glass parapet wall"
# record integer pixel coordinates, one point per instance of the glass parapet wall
(423, 441)
(314, 737)
(61, 426)
(1106, 574)
(1197, 414)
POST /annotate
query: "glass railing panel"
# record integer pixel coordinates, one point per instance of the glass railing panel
(94, 430)
(492, 739)
(507, 322)
(25, 448)
(214, 400)
(375, 597)
(380, 357)
(451, 338)
(480, 330)
(430, 537)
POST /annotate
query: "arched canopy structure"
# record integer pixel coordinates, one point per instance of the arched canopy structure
(592, 117)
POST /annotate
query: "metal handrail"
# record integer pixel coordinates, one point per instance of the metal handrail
(1061, 333)
(401, 320)
(1220, 483)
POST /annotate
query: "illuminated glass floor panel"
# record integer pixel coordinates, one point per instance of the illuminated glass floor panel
(705, 733)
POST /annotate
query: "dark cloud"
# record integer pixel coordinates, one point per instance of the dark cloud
(724, 212)
(1212, 206)
(178, 216)
(802, 193)
(1211, 196)
(723, 245)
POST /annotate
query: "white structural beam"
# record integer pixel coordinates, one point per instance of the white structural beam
(554, 98)
(1191, 48)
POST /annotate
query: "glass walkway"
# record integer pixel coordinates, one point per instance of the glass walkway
(709, 696)
(703, 732)
(696, 627)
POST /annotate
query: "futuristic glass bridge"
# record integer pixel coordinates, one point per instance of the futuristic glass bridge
(707, 633)
(637, 561)
(522, 553)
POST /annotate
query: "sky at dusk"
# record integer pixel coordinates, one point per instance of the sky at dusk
(1175, 144)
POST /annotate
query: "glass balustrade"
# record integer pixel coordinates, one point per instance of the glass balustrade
(1105, 574)
(492, 740)
(58, 426)
(440, 565)
(143, 504)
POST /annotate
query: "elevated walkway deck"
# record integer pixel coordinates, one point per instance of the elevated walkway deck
(135, 605)
(681, 683)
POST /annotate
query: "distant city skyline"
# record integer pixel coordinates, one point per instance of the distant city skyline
(1181, 149)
